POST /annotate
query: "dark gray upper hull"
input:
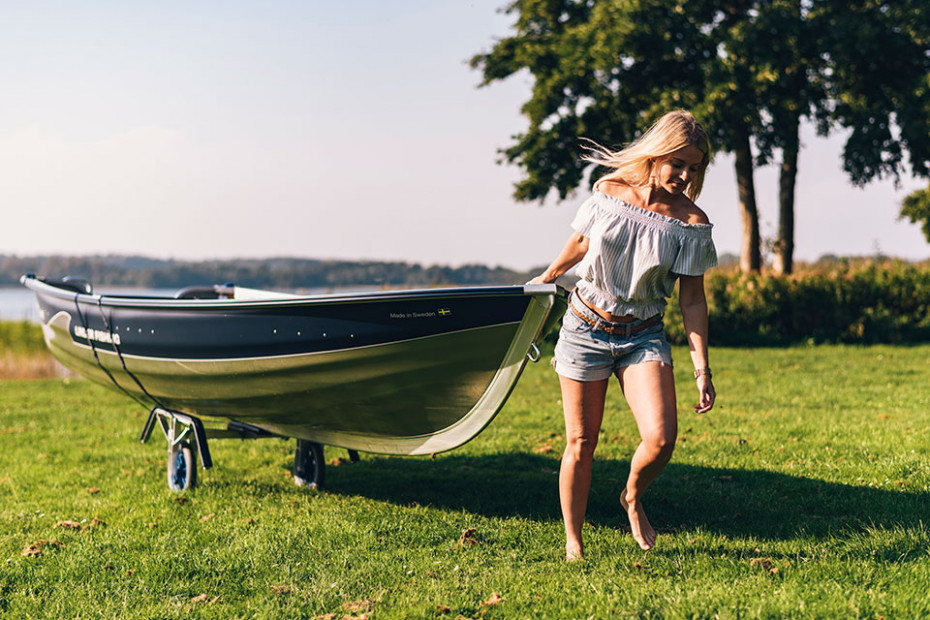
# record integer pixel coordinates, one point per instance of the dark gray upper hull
(403, 372)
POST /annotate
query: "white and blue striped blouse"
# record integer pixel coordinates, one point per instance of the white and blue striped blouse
(635, 255)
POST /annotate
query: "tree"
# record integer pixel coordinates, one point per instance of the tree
(752, 70)
(879, 87)
(916, 208)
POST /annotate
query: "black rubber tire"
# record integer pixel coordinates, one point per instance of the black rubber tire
(182, 467)
(309, 467)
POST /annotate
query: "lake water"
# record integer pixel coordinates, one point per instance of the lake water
(17, 304)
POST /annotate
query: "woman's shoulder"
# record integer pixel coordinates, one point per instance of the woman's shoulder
(619, 190)
(690, 213)
(680, 208)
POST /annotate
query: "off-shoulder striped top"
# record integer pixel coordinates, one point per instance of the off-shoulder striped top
(636, 255)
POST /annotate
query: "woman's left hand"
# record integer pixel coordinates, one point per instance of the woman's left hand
(707, 394)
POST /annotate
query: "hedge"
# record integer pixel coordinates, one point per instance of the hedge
(867, 301)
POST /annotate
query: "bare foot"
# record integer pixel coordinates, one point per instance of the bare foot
(573, 553)
(639, 524)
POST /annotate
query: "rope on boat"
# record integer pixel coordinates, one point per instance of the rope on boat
(93, 348)
(122, 361)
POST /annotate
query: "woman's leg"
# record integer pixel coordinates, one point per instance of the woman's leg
(583, 404)
(649, 388)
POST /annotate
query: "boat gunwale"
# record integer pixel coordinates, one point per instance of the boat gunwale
(128, 301)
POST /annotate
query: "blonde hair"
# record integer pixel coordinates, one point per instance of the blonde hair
(633, 164)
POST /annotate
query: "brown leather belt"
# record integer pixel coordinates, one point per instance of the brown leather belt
(627, 329)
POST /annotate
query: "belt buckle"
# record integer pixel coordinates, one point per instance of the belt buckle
(618, 328)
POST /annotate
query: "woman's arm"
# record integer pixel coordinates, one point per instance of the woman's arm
(575, 249)
(694, 312)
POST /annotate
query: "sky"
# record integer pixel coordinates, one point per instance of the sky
(331, 130)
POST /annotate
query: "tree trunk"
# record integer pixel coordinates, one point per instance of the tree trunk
(793, 80)
(784, 246)
(750, 258)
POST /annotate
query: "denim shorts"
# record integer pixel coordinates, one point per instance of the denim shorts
(586, 352)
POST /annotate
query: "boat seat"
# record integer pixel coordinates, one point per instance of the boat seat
(240, 292)
(229, 291)
(198, 292)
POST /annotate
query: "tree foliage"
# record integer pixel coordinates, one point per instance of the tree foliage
(877, 68)
(596, 73)
(751, 70)
(916, 208)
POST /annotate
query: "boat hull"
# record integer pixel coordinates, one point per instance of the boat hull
(408, 372)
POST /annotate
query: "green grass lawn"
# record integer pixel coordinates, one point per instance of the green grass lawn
(806, 492)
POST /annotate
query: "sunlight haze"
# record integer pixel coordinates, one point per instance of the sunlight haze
(318, 130)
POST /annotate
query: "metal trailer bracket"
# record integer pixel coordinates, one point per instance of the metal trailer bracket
(178, 426)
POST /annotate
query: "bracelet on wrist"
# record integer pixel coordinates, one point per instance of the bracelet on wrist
(702, 371)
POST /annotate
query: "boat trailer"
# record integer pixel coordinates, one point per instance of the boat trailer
(187, 438)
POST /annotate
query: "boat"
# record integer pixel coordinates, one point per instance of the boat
(402, 372)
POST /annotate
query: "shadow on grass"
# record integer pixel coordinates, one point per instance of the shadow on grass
(737, 503)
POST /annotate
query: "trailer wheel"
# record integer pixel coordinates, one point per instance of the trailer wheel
(309, 468)
(182, 467)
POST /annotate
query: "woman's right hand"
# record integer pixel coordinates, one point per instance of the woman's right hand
(707, 394)
(575, 249)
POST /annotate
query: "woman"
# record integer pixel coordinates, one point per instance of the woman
(634, 237)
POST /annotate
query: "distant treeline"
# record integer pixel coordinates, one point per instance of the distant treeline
(275, 273)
